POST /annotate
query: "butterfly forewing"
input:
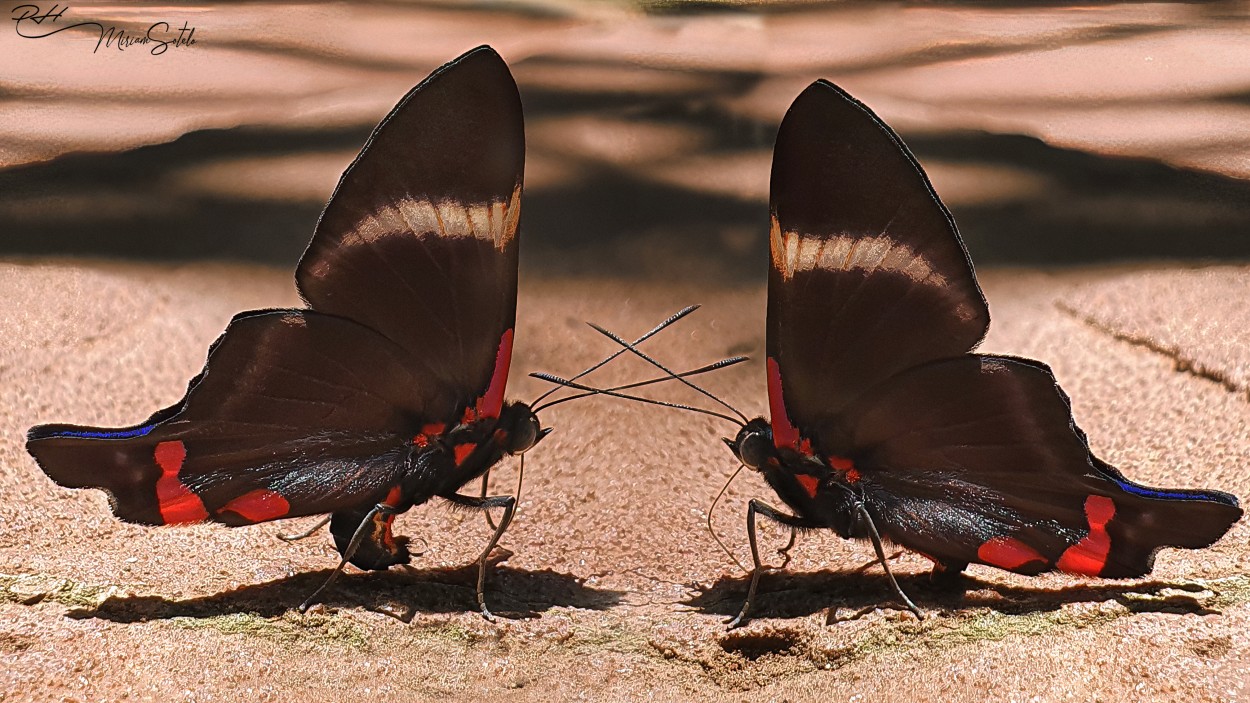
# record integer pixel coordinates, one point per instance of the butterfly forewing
(419, 241)
(868, 276)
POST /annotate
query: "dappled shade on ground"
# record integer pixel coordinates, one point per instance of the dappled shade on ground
(1056, 133)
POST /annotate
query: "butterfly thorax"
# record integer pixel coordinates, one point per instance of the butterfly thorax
(815, 486)
(442, 458)
(440, 461)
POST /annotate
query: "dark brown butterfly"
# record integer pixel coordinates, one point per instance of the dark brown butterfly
(388, 389)
(882, 416)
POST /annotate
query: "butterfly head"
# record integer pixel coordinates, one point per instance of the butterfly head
(754, 444)
(521, 428)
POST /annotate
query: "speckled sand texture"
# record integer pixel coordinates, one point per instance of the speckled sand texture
(622, 588)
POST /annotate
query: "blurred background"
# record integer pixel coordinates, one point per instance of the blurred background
(1057, 133)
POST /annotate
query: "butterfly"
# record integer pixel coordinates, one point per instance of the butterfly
(387, 390)
(884, 421)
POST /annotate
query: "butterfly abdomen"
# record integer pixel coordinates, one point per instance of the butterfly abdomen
(378, 548)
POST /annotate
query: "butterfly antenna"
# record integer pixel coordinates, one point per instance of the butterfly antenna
(711, 529)
(876, 544)
(637, 384)
(551, 378)
(630, 347)
(654, 330)
(306, 533)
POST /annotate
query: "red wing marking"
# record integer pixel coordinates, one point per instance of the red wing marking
(392, 498)
(176, 502)
(491, 402)
(1089, 556)
(809, 483)
(259, 505)
(170, 455)
(428, 433)
(1008, 553)
(463, 451)
(785, 434)
(846, 466)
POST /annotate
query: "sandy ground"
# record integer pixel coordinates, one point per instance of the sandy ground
(617, 590)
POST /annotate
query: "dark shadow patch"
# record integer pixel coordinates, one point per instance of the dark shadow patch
(1175, 603)
(799, 595)
(1234, 98)
(399, 593)
(126, 205)
(1094, 208)
(1046, 4)
(751, 644)
(641, 229)
(616, 220)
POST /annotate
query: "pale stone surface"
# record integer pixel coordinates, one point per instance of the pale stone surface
(1182, 313)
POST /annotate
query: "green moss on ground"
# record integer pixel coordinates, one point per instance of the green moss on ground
(32, 589)
(1203, 596)
(289, 628)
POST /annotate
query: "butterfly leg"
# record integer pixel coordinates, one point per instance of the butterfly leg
(306, 533)
(791, 521)
(876, 545)
(485, 481)
(365, 526)
(947, 574)
(508, 503)
(784, 552)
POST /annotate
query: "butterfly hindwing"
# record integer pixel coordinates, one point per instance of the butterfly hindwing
(315, 409)
(869, 275)
(977, 459)
(419, 241)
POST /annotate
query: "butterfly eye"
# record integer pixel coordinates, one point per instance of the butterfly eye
(754, 447)
(526, 434)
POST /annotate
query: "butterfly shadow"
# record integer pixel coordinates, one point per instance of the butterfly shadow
(400, 593)
(852, 594)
